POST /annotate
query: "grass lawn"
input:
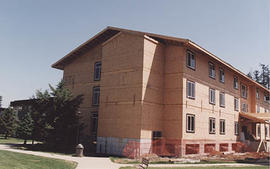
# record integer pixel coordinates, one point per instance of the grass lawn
(11, 160)
(217, 167)
(11, 140)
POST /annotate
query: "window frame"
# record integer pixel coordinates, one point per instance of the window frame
(209, 70)
(222, 123)
(257, 93)
(94, 116)
(236, 128)
(223, 71)
(245, 91)
(236, 108)
(235, 82)
(98, 63)
(246, 107)
(187, 91)
(190, 53)
(211, 89)
(220, 103)
(187, 123)
(93, 96)
(212, 128)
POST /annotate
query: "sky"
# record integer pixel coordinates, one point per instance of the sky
(34, 34)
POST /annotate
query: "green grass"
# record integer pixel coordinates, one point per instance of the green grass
(215, 167)
(11, 140)
(12, 160)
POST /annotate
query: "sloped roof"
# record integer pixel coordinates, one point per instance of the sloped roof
(109, 32)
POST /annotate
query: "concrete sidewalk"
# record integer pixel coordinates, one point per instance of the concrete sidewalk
(105, 162)
(83, 162)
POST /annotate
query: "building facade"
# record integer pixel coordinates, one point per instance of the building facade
(141, 87)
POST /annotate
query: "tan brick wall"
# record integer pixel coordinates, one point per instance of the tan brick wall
(121, 87)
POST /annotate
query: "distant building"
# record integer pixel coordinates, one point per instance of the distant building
(141, 87)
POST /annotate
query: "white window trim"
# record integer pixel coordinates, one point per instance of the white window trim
(210, 96)
(187, 123)
(192, 91)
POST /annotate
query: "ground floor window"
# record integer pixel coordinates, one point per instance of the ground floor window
(222, 126)
(94, 125)
(236, 128)
(212, 125)
(190, 128)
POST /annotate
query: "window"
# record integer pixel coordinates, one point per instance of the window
(222, 99)
(258, 130)
(257, 93)
(266, 98)
(244, 107)
(236, 104)
(221, 75)
(257, 108)
(266, 131)
(222, 126)
(191, 89)
(190, 128)
(212, 125)
(235, 82)
(191, 63)
(212, 99)
(97, 71)
(236, 128)
(94, 125)
(156, 135)
(244, 91)
(96, 93)
(212, 72)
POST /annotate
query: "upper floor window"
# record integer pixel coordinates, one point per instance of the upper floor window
(266, 97)
(96, 93)
(212, 125)
(236, 104)
(190, 89)
(244, 91)
(222, 126)
(222, 99)
(236, 128)
(257, 93)
(235, 82)
(191, 63)
(212, 72)
(212, 98)
(97, 71)
(190, 128)
(221, 75)
(244, 107)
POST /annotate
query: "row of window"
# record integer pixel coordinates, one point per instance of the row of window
(190, 125)
(266, 97)
(191, 63)
(212, 97)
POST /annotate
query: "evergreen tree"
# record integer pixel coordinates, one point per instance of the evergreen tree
(261, 76)
(57, 112)
(7, 122)
(25, 127)
(1, 101)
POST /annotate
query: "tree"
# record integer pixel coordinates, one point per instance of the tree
(25, 127)
(261, 76)
(57, 111)
(7, 122)
(1, 101)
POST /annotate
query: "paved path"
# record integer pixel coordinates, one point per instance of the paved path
(105, 162)
(83, 162)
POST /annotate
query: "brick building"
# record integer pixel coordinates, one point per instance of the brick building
(140, 87)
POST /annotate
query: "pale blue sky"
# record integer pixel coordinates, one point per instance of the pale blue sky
(34, 33)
